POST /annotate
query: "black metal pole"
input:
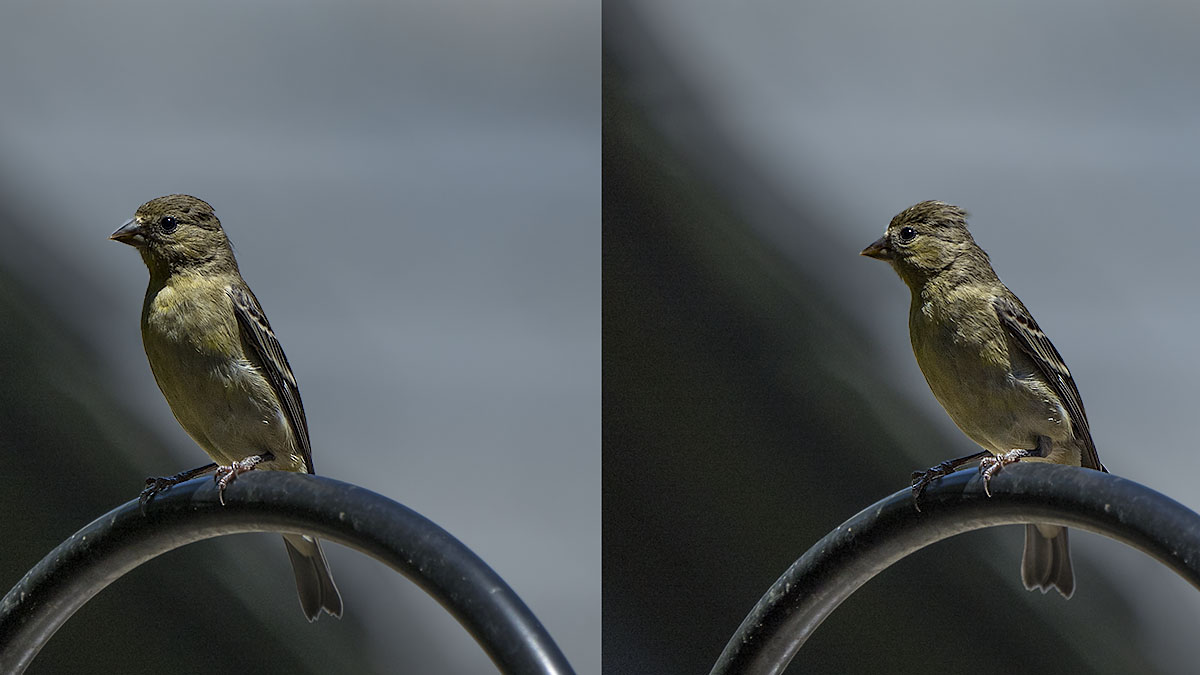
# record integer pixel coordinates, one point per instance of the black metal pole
(276, 501)
(890, 529)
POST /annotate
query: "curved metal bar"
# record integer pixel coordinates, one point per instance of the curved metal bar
(890, 529)
(276, 501)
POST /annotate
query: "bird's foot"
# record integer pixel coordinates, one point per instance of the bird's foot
(922, 479)
(990, 466)
(226, 474)
(156, 484)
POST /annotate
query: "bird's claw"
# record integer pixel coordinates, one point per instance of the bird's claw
(922, 479)
(991, 465)
(154, 485)
(226, 474)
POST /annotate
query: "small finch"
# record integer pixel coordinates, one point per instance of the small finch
(218, 364)
(990, 366)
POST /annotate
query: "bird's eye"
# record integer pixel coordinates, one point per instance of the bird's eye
(168, 224)
(907, 234)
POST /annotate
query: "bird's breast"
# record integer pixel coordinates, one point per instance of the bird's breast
(992, 394)
(216, 393)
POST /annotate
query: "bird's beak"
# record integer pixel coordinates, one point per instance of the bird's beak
(878, 250)
(130, 233)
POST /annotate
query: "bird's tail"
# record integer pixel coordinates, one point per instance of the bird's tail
(1046, 563)
(314, 582)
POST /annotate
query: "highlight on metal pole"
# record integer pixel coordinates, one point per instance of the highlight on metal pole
(276, 501)
(887, 531)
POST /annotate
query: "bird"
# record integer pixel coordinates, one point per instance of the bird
(221, 368)
(990, 366)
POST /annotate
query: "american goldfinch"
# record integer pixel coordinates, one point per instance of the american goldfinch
(990, 366)
(218, 364)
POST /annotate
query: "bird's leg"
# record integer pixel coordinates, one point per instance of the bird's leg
(921, 479)
(990, 466)
(226, 474)
(1043, 447)
(156, 484)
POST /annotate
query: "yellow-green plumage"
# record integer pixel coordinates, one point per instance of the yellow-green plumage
(214, 386)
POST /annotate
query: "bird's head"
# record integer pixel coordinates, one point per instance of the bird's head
(923, 240)
(176, 232)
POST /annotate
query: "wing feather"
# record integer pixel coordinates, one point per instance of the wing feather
(257, 333)
(1034, 343)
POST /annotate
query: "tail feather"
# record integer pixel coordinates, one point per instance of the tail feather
(314, 583)
(1046, 562)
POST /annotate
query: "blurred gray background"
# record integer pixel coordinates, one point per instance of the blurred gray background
(412, 192)
(751, 150)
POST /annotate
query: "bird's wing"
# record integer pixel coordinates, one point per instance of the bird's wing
(257, 333)
(1034, 343)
